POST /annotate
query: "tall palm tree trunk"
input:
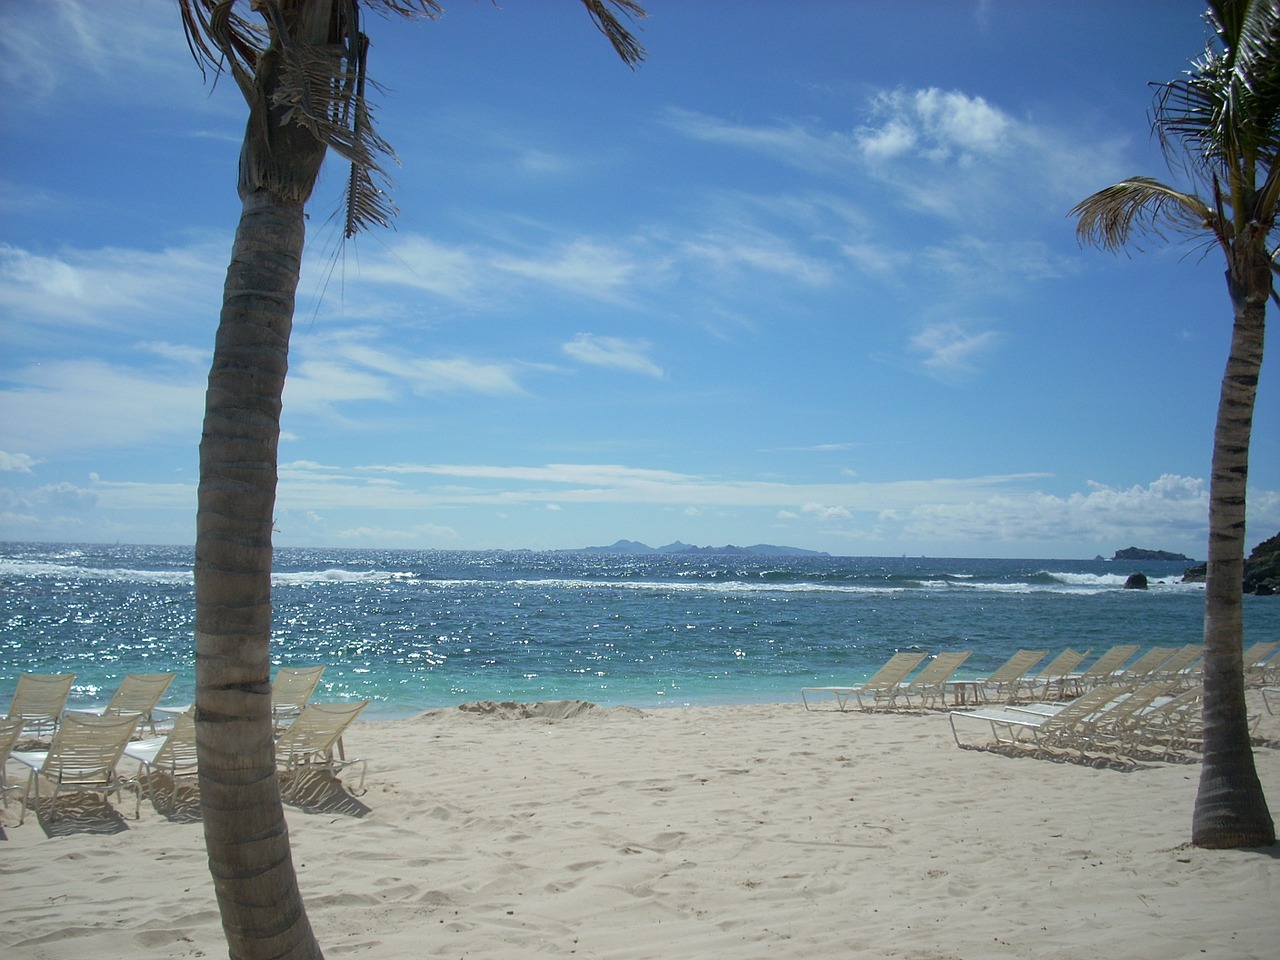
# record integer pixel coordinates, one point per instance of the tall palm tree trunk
(1231, 809)
(245, 831)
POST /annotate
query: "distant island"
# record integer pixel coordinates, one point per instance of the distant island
(757, 550)
(1135, 553)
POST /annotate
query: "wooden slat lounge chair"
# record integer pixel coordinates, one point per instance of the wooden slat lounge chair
(290, 691)
(930, 684)
(1051, 680)
(40, 700)
(1103, 669)
(173, 756)
(1003, 682)
(83, 756)
(138, 693)
(313, 742)
(885, 683)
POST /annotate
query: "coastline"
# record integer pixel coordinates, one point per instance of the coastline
(732, 831)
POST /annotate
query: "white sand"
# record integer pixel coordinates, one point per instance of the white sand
(739, 832)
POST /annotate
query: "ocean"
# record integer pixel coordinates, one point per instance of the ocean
(414, 630)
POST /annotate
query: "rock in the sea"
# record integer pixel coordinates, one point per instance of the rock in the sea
(1136, 581)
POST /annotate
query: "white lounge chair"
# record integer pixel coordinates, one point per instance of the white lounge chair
(313, 742)
(1003, 682)
(885, 683)
(83, 757)
(40, 700)
(291, 690)
(930, 684)
(1054, 674)
(138, 693)
(1103, 669)
(173, 755)
(1040, 728)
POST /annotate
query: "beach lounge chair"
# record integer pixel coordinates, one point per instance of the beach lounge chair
(138, 693)
(883, 684)
(1039, 728)
(930, 684)
(83, 756)
(1260, 667)
(1002, 683)
(9, 730)
(173, 755)
(1103, 669)
(1051, 680)
(290, 691)
(1182, 666)
(1267, 694)
(313, 742)
(40, 699)
(1145, 667)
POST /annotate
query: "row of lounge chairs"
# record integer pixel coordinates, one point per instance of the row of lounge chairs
(894, 686)
(86, 746)
(1109, 723)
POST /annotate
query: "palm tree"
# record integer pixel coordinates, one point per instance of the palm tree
(1223, 115)
(300, 65)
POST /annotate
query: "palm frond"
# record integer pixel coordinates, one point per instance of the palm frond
(626, 45)
(319, 82)
(1110, 217)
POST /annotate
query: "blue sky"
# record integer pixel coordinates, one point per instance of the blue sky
(806, 276)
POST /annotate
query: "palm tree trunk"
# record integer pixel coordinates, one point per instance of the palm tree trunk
(245, 831)
(1231, 809)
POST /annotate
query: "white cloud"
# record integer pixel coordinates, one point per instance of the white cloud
(949, 349)
(16, 462)
(70, 406)
(586, 267)
(110, 287)
(613, 352)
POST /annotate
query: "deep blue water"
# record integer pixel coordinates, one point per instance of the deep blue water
(414, 630)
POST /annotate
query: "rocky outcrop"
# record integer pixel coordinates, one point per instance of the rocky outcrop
(1136, 581)
(1261, 569)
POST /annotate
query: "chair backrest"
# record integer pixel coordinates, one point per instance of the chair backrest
(1085, 706)
(139, 693)
(41, 697)
(939, 670)
(293, 686)
(86, 749)
(1110, 662)
(1061, 665)
(1017, 665)
(179, 749)
(1258, 652)
(1181, 662)
(895, 670)
(318, 728)
(1148, 663)
(10, 727)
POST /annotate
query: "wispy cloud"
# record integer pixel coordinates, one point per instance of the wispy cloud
(949, 349)
(70, 406)
(613, 352)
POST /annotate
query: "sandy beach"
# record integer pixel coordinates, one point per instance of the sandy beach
(727, 832)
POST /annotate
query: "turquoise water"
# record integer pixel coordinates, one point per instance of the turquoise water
(416, 630)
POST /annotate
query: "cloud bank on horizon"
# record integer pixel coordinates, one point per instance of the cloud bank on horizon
(812, 286)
